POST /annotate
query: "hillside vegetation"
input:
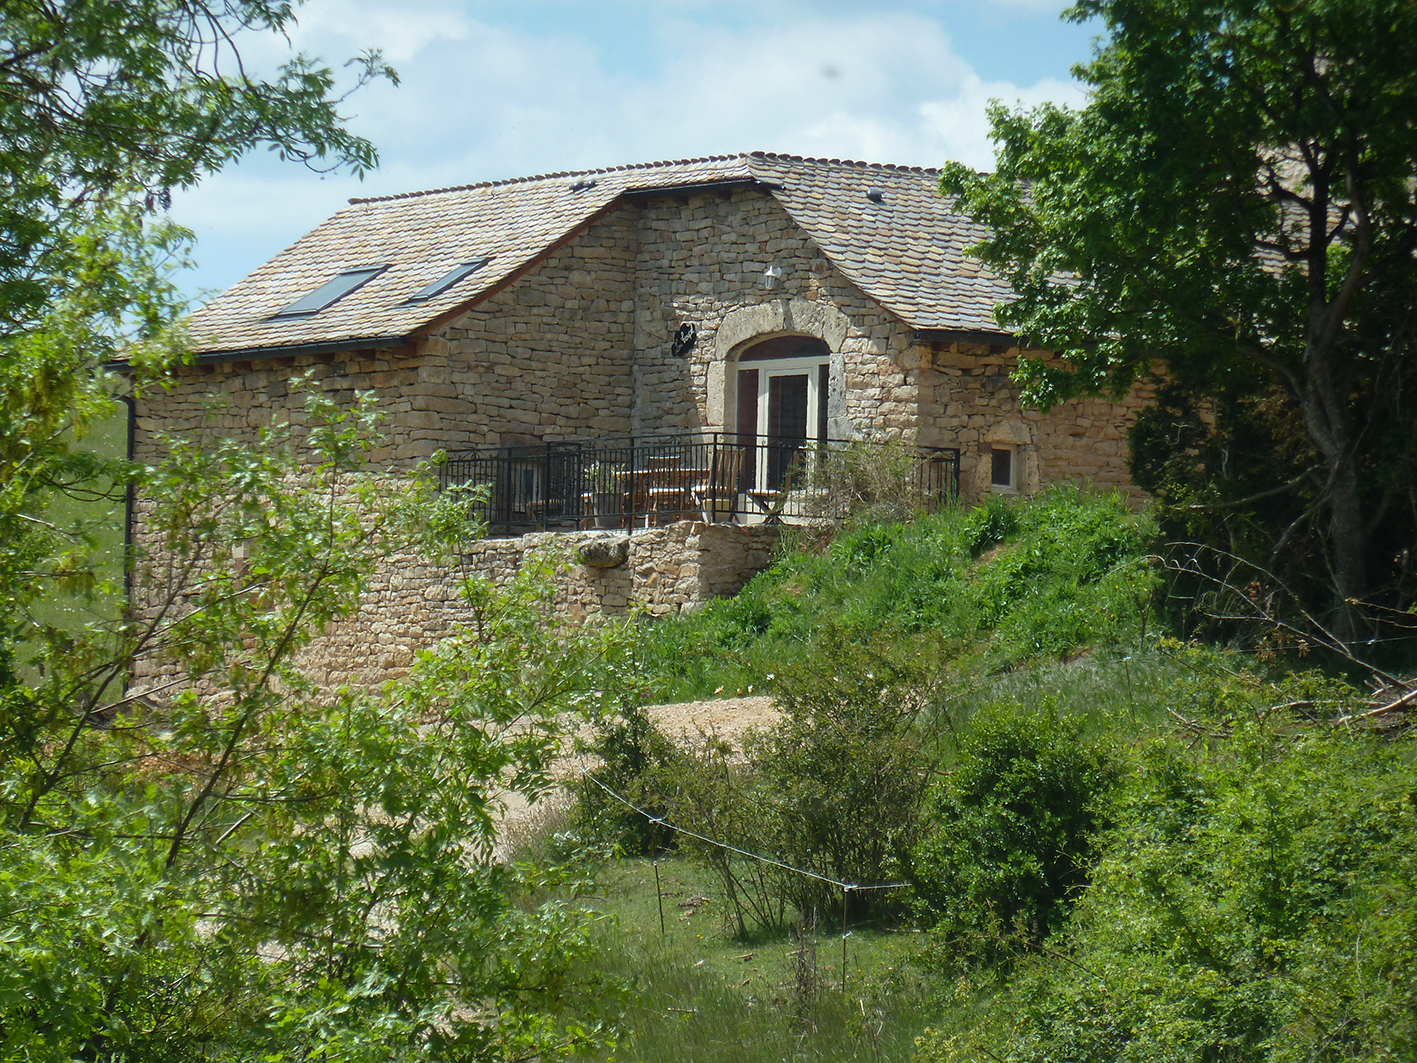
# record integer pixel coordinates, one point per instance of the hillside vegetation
(1102, 842)
(974, 590)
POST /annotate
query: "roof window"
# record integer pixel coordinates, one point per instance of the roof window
(447, 280)
(333, 290)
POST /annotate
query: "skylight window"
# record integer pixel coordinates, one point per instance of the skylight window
(447, 280)
(330, 292)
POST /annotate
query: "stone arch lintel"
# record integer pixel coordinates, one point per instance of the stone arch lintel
(780, 317)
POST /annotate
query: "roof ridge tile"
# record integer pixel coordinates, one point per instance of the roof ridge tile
(556, 176)
(898, 167)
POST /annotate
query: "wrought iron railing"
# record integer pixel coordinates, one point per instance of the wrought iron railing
(714, 477)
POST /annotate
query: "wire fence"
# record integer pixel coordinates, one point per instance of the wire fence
(847, 888)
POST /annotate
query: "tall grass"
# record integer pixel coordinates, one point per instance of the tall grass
(698, 994)
(987, 588)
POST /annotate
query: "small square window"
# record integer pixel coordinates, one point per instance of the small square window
(1001, 467)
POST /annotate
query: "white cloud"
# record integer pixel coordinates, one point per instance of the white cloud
(1046, 6)
(482, 101)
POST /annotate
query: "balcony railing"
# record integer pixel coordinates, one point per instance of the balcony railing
(713, 477)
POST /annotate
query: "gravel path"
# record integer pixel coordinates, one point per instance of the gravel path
(683, 722)
(729, 717)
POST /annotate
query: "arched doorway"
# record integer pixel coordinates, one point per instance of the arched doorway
(783, 387)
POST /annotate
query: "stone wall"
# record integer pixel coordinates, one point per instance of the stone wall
(409, 603)
(549, 357)
(977, 407)
(702, 260)
(236, 399)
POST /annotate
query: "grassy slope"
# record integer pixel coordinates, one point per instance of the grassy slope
(982, 590)
(1039, 608)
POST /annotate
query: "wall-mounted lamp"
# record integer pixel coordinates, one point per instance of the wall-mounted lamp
(772, 276)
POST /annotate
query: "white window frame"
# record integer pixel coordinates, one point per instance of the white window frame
(811, 368)
(1012, 450)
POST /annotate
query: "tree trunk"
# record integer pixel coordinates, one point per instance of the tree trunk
(1349, 540)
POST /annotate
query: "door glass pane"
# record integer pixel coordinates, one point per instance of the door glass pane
(787, 424)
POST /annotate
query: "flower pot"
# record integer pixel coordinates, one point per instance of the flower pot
(607, 507)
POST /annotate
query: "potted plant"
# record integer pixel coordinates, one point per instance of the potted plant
(605, 489)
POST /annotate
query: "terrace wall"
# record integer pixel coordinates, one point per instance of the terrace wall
(410, 603)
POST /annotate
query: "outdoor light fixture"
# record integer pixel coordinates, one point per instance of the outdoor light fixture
(772, 276)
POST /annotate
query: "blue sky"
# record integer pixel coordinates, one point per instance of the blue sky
(520, 87)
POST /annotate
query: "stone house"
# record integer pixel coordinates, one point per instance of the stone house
(749, 295)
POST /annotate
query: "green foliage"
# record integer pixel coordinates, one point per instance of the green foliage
(833, 789)
(1012, 832)
(1237, 202)
(990, 587)
(119, 103)
(239, 864)
(635, 761)
(843, 773)
(105, 108)
(1254, 903)
(719, 798)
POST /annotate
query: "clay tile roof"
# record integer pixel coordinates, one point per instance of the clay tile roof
(906, 251)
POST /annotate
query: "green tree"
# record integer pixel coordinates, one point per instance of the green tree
(236, 863)
(104, 108)
(1237, 201)
(232, 863)
(102, 100)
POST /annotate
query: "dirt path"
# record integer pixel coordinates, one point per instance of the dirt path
(682, 722)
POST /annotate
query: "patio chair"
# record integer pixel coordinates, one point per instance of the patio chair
(718, 497)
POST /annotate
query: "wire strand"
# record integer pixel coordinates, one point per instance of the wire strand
(849, 887)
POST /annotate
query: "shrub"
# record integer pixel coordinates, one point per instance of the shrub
(1255, 904)
(866, 482)
(1014, 831)
(635, 759)
(833, 789)
(713, 793)
(845, 770)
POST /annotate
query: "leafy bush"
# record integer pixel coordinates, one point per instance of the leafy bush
(1014, 831)
(636, 758)
(844, 772)
(834, 789)
(1256, 903)
(251, 868)
(716, 795)
(866, 483)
